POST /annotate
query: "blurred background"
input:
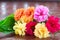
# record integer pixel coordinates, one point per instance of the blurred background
(8, 7)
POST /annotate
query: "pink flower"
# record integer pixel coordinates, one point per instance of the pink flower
(30, 27)
(52, 24)
(41, 13)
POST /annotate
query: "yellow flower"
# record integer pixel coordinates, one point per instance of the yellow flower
(41, 31)
(25, 19)
(19, 28)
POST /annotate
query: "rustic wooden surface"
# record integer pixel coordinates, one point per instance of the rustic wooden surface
(33, 0)
(7, 8)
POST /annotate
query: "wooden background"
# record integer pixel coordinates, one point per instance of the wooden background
(32, 0)
(7, 8)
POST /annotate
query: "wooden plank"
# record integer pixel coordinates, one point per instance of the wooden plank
(34, 0)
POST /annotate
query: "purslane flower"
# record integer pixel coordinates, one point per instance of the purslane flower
(18, 13)
(52, 24)
(41, 13)
(20, 28)
(28, 15)
(41, 31)
(30, 28)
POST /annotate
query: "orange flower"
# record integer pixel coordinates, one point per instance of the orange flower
(18, 14)
(29, 11)
(28, 15)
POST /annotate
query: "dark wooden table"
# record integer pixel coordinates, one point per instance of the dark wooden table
(7, 8)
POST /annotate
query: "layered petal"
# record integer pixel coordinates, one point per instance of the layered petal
(20, 28)
(41, 13)
(41, 31)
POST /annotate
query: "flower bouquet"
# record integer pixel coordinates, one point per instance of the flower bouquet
(33, 21)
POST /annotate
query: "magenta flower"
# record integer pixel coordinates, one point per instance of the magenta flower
(52, 24)
(41, 13)
(30, 28)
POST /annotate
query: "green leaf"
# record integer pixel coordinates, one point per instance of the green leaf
(6, 25)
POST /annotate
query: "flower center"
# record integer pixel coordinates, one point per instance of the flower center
(52, 25)
(28, 13)
(41, 13)
(42, 31)
(32, 28)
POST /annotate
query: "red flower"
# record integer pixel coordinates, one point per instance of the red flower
(52, 24)
(30, 27)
